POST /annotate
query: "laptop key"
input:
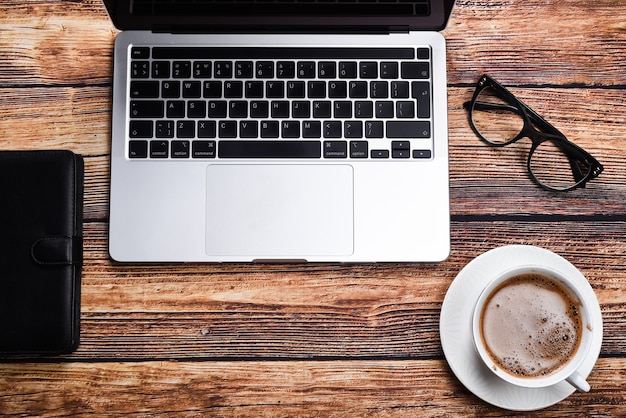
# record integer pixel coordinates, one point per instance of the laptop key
(164, 129)
(146, 109)
(368, 70)
(312, 129)
(295, 89)
(140, 69)
(337, 90)
(202, 69)
(358, 89)
(265, 69)
(138, 149)
(321, 109)
(170, 89)
(223, 69)
(414, 70)
(422, 153)
(269, 129)
(400, 89)
(227, 129)
(380, 153)
(358, 149)
(233, 89)
(212, 89)
(159, 149)
(374, 129)
(384, 109)
(207, 129)
(388, 70)
(327, 69)
(335, 149)
(144, 89)
(259, 109)
(175, 109)
(218, 109)
(248, 129)
(421, 92)
(185, 129)
(286, 69)
(243, 69)
(408, 129)
(316, 90)
(141, 129)
(254, 90)
(269, 149)
(347, 69)
(353, 129)
(405, 109)
(140, 52)
(379, 89)
(332, 129)
(160, 69)
(181, 69)
(180, 149)
(203, 149)
(306, 69)
(290, 129)
(192, 89)
(363, 109)
(400, 149)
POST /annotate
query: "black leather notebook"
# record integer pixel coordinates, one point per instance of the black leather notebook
(41, 210)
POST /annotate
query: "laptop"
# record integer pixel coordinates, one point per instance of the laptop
(279, 131)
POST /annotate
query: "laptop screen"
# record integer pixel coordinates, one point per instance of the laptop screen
(278, 15)
(287, 8)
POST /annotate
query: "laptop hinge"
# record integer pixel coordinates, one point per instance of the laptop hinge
(313, 30)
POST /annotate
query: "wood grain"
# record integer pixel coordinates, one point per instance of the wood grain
(276, 388)
(324, 339)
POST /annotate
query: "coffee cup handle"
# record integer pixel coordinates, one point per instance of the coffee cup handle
(578, 382)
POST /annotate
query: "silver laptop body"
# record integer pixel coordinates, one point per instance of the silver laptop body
(366, 186)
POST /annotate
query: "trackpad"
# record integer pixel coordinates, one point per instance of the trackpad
(279, 211)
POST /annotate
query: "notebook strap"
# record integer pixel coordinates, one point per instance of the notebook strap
(58, 251)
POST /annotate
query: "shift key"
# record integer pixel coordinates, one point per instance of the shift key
(408, 129)
(146, 109)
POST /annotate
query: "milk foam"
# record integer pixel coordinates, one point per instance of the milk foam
(531, 326)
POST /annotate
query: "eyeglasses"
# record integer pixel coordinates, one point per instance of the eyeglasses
(500, 119)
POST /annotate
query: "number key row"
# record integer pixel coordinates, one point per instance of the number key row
(280, 69)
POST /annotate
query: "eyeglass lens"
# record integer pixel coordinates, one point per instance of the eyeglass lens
(497, 121)
(500, 122)
(553, 167)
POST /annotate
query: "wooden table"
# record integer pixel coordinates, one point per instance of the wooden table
(325, 339)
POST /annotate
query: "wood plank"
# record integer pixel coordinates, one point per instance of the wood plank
(537, 42)
(293, 388)
(69, 43)
(55, 43)
(76, 118)
(321, 311)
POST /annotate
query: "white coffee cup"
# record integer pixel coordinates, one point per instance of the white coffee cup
(568, 371)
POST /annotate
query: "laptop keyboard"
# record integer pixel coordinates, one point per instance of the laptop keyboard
(313, 103)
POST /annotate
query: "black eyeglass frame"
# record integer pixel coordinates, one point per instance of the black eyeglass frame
(532, 123)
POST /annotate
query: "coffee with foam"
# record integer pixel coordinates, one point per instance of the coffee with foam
(531, 325)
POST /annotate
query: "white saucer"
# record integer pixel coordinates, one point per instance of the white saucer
(456, 328)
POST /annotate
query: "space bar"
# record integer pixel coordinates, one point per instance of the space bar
(269, 149)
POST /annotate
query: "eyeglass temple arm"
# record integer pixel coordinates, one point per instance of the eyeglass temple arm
(574, 152)
(491, 106)
(574, 155)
